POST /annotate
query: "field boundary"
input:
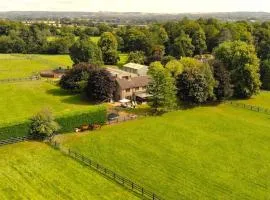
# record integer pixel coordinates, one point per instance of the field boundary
(15, 80)
(14, 140)
(250, 107)
(122, 181)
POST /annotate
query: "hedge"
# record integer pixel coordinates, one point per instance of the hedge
(97, 115)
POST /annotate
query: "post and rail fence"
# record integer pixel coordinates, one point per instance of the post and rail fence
(250, 107)
(14, 80)
(124, 182)
(14, 140)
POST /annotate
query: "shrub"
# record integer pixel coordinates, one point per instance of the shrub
(136, 57)
(43, 124)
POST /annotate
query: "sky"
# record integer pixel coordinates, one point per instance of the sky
(153, 6)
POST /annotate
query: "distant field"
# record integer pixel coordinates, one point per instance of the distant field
(217, 152)
(32, 170)
(25, 65)
(19, 101)
(262, 100)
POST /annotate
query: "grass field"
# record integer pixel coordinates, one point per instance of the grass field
(20, 65)
(262, 100)
(123, 59)
(19, 101)
(95, 39)
(218, 152)
(32, 170)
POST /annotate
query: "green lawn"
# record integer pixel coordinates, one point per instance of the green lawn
(24, 65)
(95, 39)
(19, 101)
(218, 152)
(123, 59)
(32, 170)
(262, 100)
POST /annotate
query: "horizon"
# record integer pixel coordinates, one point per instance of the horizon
(141, 6)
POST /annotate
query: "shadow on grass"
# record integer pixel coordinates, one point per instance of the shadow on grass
(188, 106)
(70, 97)
(59, 92)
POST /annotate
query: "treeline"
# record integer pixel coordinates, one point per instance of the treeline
(145, 44)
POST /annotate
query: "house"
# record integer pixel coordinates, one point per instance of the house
(133, 88)
(140, 70)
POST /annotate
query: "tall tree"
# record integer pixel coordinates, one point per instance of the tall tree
(161, 88)
(243, 65)
(101, 86)
(87, 51)
(108, 45)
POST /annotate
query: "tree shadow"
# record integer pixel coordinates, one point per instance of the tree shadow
(59, 92)
(77, 99)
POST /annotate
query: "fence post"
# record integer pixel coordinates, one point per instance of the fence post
(153, 196)
(132, 185)
(142, 191)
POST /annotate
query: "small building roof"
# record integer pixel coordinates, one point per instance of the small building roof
(118, 72)
(140, 81)
(135, 66)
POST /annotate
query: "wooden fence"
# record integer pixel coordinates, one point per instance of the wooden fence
(124, 182)
(14, 80)
(250, 107)
(13, 140)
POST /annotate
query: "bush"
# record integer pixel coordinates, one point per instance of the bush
(43, 124)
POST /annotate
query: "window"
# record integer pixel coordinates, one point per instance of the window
(137, 88)
(144, 87)
(128, 90)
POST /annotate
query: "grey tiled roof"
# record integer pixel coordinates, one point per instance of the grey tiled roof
(133, 82)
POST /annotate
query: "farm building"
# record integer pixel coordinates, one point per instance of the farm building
(140, 70)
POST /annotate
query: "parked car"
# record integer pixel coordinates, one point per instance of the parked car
(113, 116)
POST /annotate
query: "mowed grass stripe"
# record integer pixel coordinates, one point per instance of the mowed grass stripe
(203, 153)
(32, 170)
(20, 101)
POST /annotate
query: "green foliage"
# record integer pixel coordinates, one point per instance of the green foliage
(167, 59)
(61, 45)
(196, 84)
(76, 78)
(14, 130)
(108, 45)
(182, 46)
(265, 74)
(100, 86)
(67, 123)
(161, 88)
(95, 116)
(43, 124)
(86, 51)
(136, 57)
(157, 53)
(174, 67)
(223, 89)
(243, 65)
(136, 40)
(192, 86)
